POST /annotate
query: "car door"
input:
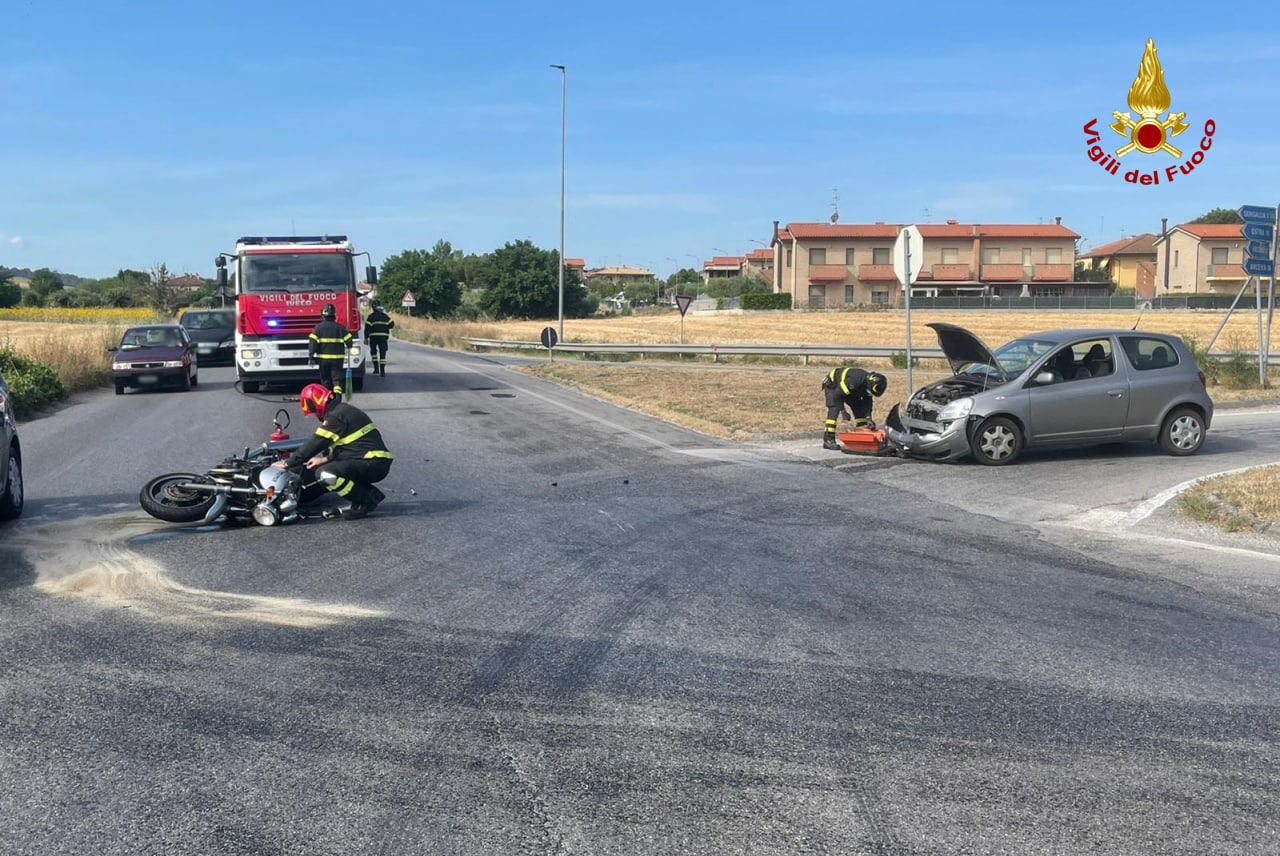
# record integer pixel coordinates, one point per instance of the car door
(1079, 406)
(1154, 365)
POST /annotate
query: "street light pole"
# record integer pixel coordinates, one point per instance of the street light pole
(563, 77)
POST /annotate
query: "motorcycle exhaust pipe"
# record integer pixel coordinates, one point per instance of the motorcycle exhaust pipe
(223, 489)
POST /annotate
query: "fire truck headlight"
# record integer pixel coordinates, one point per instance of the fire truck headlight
(354, 350)
(273, 322)
(251, 354)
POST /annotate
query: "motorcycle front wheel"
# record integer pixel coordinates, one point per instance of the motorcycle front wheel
(165, 498)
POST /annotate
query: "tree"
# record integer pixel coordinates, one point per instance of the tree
(522, 281)
(1219, 215)
(44, 282)
(736, 286)
(10, 293)
(159, 294)
(684, 277)
(433, 278)
(1088, 273)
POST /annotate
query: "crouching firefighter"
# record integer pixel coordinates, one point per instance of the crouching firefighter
(853, 389)
(346, 454)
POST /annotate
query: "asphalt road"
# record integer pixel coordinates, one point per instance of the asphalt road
(572, 629)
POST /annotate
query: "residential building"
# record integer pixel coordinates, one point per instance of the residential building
(1200, 258)
(759, 263)
(722, 267)
(830, 265)
(1122, 259)
(579, 265)
(619, 276)
(186, 283)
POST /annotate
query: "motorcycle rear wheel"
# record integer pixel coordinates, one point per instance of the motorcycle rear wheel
(164, 498)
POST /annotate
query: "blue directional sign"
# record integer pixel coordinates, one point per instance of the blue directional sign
(1257, 214)
(1258, 249)
(1259, 267)
(1257, 232)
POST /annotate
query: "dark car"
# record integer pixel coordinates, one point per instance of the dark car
(10, 459)
(154, 355)
(1085, 386)
(214, 332)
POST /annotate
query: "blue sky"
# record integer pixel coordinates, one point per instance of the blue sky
(144, 132)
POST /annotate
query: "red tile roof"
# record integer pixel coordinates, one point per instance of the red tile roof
(760, 256)
(1138, 245)
(578, 263)
(725, 261)
(1213, 230)
(928, 230)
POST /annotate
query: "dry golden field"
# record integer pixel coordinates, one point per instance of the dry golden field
(871, 328)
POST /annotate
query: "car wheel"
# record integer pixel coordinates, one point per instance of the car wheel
(185, 384)
(996, 442)
(195, 378)
(11, 500)
(1182, 432)
(119, 388)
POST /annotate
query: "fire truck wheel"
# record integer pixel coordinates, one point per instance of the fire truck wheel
(250, 386)
(358, 383)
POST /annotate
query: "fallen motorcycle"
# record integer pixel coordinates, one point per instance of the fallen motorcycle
(242, 488)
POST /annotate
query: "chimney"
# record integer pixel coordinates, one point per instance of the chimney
(953, 222)
(1057, 220)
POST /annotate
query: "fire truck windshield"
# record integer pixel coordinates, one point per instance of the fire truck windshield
(295, 272)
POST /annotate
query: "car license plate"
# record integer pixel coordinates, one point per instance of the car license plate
(147, 379)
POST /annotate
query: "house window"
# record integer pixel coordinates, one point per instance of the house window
(879, 297)
(1026, 255)
(848, 292)
(880, 256)
(788, 257)
(1175, 258)
(950, 255)
(848, 257)
(1219, 256)
(1050, 291)
(991, 255)
(818, 255)
(1053, 255)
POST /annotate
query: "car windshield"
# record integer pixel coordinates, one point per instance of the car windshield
(150, 337)
(296, 272)
(207, 320)
(1013, 357)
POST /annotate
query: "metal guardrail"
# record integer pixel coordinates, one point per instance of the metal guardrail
(883, 352)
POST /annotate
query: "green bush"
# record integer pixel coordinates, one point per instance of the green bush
(32, 385)
(765, 301)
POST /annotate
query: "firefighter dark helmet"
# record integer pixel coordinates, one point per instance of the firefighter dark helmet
(329, 312)
(377, 307)
(315, 400)
(877, 383)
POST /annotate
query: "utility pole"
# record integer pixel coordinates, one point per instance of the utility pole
(563, 76)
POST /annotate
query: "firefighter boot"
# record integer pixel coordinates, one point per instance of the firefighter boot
(829, 442)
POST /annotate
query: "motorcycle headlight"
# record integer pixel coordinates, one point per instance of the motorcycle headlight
(957, 409)
(265, 514)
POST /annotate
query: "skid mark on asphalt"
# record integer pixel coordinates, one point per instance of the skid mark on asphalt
(90, 559)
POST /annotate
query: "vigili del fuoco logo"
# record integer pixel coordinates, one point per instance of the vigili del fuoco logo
(1148, 134)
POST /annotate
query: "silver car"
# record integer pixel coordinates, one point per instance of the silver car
(1058, 387)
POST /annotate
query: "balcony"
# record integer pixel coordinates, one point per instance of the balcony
(828, 273)
(1220, 272)
(1002, 273)
(877, 273)
(1053, 273)
(951, 273)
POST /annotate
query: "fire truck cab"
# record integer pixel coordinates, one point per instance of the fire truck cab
(281, 285)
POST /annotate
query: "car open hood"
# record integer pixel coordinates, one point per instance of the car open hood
(962, 347)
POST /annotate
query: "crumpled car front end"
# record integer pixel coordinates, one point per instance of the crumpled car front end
(935, 441)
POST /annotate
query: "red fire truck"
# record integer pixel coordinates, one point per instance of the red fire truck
(281, 285)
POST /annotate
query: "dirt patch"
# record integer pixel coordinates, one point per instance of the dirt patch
(90, 559)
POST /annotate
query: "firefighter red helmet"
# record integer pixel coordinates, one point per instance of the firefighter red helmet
(877, 383)
(314, 399)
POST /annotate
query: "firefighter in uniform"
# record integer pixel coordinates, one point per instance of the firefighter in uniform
(850, 388)
(328, 346)
(377, 332)
(346, 454)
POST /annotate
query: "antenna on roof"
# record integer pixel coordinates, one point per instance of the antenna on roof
(925, 215)
(835, 201)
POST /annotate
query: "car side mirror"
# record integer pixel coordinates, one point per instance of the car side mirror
(191, 346)
(1045, 379)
